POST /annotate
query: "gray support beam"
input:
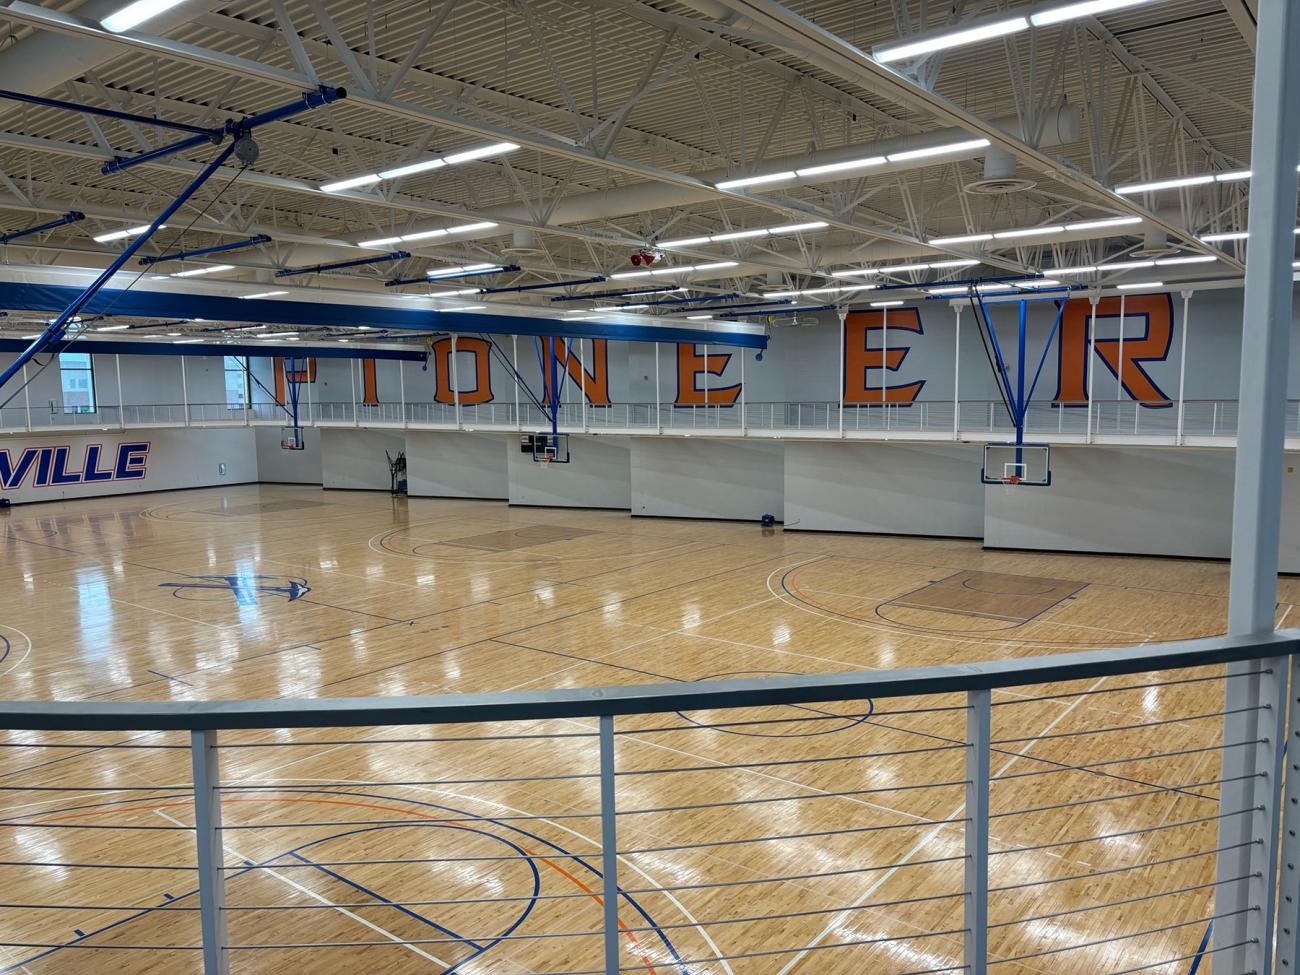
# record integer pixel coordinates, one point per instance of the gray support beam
(1246, 908)
(608, 845)
(976, 911)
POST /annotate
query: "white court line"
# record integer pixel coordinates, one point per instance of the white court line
(26, 653)
(414, 949)
(930, 835)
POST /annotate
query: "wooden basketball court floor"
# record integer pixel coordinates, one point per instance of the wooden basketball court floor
(487, 852)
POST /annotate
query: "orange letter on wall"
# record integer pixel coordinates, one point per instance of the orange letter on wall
(596, 381)
(858, 325)
(691, 364)
(369, 384)
(1155, 312)
(481, 391)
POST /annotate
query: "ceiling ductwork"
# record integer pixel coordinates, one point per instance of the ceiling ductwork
(999, 175)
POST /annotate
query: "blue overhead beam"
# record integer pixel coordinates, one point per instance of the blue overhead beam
(214, 249)
(289, 272)
(72, 216)
(220, 308)
(255, 350)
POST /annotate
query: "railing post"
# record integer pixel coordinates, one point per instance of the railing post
(956, 375)
(1092, 370)
(976, 912)
(401, 389)
(117, 367)
(185, 396)
(1288, 912)
(743, 424)
(608, 844)
(353, 365)
(207, 834)
(1182, 363)
(842, 314)
(659, 427)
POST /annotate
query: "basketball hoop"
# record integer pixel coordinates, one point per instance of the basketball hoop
(1011, 481)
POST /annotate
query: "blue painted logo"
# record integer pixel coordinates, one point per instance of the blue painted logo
(245, 588)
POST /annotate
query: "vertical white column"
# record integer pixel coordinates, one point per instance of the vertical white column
(514, 361)
(976, 906)
(659, 427)
(455, 380)
(1182, 363)
(744, 425)
(27, 399)
(185, 394)
(1119, 365)
(401, 389)
(353, 365)
(210, 859)
(582, 382)
(1255, 699)
(884, 353)
(121, 412)
(956, 375)
(309, 384)
(706, 383)
(1089, 355)
(839, 376)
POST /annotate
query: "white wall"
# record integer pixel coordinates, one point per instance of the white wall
(175, 459)
(355, 459)
(279, 466)
(898, 489)
(458, 465)
(597, 476)
(1125, 500)
(680, 477)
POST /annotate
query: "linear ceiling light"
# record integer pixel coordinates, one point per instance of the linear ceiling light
(434, 274)
(964, 146)
(195, 272)
(1140, 284)
(276, 335)
(1231, 176)
(1102, 224)
(1125, 265)
(129, 232)
(827, 168)
(1192, 259)
(681, 269)
(902, 268)
(265, 294)
(186, 341)
(112, 328)
(845, 289)
(962, 239)
(481, 152)
(736, 184)
(1028, 232)
(135, 14)
(949, 39)
(1232, 235)
(1075, 227)
(885, 304)
(1082, 269)
(1084, 8)
(465, 228)
(791, 228)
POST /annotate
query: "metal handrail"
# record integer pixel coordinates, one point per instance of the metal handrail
(637, 698)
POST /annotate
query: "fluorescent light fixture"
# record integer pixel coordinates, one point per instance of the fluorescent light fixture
(963, 239)
(962, 262)
(276, 335)
(1036, 283)
(631, 307)
(411, 169)
(821, 291)
(350, 184)
(885, 304)
(362, 328)
(186, 341)
(482, 152)
(740, 234)
(265, 294)
(699, 318)
(854, 272)
(1164, 184)
(26, 337)
(112, 328)
(196, 271)
(1233, 177)
(1102, 224)
(790, 228)
(344, 341)
(460, 293)
(433, 274)
(1125, 265)
(465, 228)
(171, 335)
(799, 228)
(1221, 238)
(1140, 284)
(135, 14)
(839, 167)
(1084, 8)
(129, 232)
(682, 269)
(1083, 269)
(947, 291)
(951, 39)
(965, 146)
(381, 242)
(1027, 232)
(735, 184)
(467, 308)
(1192, 259)
(424, 165)
(902, 268)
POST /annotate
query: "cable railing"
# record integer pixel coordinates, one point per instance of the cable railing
(1193, 422)
(1094, 812)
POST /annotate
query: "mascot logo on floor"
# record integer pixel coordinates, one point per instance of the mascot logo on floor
(244, 588)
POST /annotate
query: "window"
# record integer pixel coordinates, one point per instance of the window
(237, 388)
(77, 374)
